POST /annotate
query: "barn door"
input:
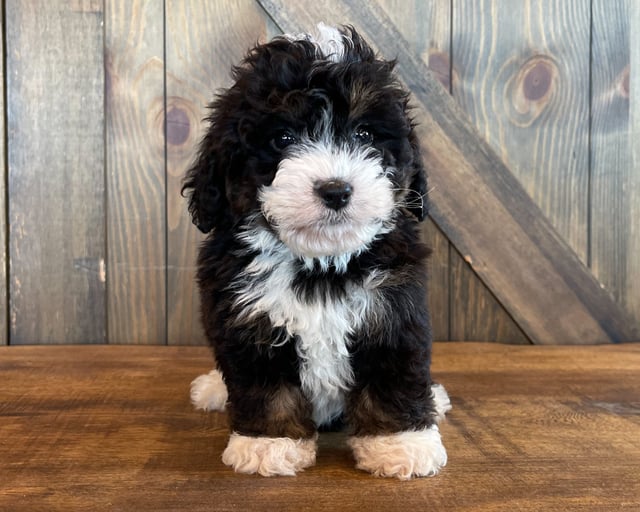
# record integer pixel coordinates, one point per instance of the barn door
(528, 115)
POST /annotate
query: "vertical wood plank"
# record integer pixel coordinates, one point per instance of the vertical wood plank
(426, 26)
(476, 315)
(204, 40)
(55, 85)
(633, 264)
(3, 191)
(461, 305)
(136, 224)
(523, 71)
(615, 155)
(523, 80)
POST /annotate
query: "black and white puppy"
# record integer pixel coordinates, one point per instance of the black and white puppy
(310, 182)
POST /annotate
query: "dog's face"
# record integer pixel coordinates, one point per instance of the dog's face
(314, 138)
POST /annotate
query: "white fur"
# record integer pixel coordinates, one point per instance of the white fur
(209, 392)
(322, 326)
(441, 401)
(402, 455)
(269, 456)
(305, 224)
(329, 42)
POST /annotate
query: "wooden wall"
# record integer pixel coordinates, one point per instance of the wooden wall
(103, 101)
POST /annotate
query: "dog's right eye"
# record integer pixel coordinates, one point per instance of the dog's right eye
(282, 141)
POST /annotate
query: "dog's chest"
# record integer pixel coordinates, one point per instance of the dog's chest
(321, 323)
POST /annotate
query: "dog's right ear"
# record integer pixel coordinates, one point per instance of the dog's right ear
(204, 186)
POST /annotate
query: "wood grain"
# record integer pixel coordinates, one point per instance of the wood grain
(500, 56)
(55, 99)
(522, 77)
(461, 305)
(111, 428)
(633, 264)
(481, 206)
(204, 41)
(4, 333)
(475, 313)
(426, 26)
(615, 153)
(136, 223)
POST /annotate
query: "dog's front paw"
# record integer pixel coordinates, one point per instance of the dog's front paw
(402, 455)
(209, 392)
(269, 456)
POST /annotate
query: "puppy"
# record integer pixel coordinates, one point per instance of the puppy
(310, 184)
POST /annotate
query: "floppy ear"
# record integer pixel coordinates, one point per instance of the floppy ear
(418, 201)
(204, 185)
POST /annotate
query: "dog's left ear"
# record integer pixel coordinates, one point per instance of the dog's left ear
(204, 185)
(417, 200)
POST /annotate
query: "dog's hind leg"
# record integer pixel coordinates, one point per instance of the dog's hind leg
(441, 401)
(209, 392)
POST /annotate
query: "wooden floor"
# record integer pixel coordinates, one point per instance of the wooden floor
(111, 428)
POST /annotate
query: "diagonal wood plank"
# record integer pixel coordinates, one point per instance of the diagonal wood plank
(479, 204)
(462, 308)
(427, 27)
(520, 77)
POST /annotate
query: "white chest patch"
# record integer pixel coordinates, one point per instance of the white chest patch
(322, 327)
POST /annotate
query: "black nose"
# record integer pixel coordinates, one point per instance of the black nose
(335, 194)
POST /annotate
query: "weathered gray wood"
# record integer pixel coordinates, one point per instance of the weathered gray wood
(521, 81)
(3, 180)
(615, 152)
(481, 206)
(633, 247)
(427, 26)
(55, 85)
(476, 315)
(522, 78)
(195, 71)
(522, 73)
(136, 226)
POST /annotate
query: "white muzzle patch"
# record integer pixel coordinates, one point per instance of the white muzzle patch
(301, 218)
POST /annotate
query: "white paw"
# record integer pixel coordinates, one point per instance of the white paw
(402, 455)
(269, 456)
(209, 392)
(441, 401)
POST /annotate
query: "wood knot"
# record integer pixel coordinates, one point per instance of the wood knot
(530, 89)
(537, 80)
(178, 126)
(182, 127)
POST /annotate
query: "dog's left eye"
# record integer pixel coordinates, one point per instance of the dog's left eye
(282, 141)
(362, 136)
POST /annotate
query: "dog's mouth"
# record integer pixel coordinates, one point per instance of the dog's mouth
(331, 237)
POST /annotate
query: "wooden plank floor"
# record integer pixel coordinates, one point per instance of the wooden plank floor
(111, 428)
